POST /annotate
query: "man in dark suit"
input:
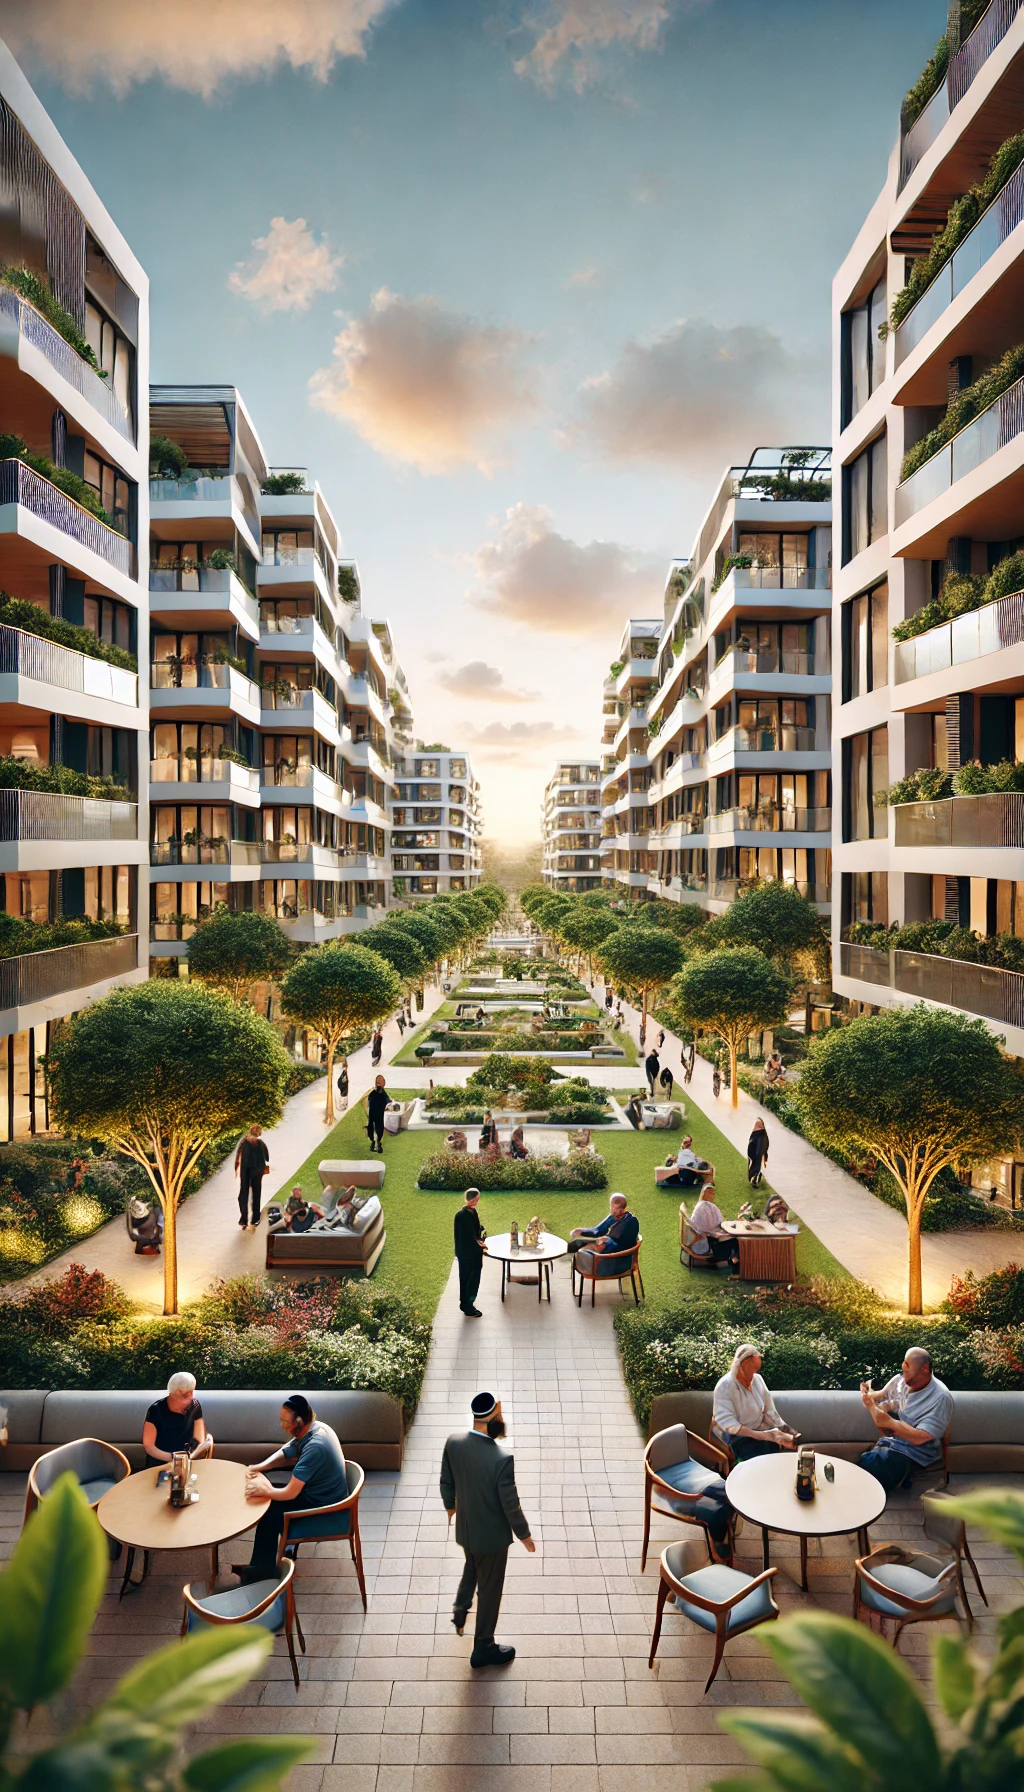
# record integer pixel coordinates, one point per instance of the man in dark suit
(478, 1487)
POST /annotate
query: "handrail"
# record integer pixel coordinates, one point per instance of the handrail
(66, 361)
(993, 428)
(964, 66)
(952, 982)
(51, 815)
(48, 662)
(20, 484)
(205, 770)
(992, 818)
(995, 224)
(987, 629)
(38, 976)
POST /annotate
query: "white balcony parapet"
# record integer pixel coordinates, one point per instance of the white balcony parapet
(50, 815)
(47, 662)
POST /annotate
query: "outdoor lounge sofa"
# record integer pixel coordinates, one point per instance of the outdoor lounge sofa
(986, 1436)
(246, 1425)
(328, 1245)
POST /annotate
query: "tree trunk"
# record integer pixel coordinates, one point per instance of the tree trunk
(643, 1023)
(915, 1294)
(329, 1109)
(732, 1075)
(170, 1207)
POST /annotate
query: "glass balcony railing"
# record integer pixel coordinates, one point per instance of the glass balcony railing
(212, 851)
(764, 660)
(995, 818)
(997, 426)
(50, 815)
(38, 976)
(955, 983)
(726, 889)
(964, 66)
(297, 852)
(778, 578)
(771, 820)
(212, 580)
(204, 769)
(22, 485)
(30, 656)
(33, 328)
(189, 675)
(784, 739)
(992, 229)
(986, 630)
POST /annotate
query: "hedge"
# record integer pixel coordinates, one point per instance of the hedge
(452, 1171)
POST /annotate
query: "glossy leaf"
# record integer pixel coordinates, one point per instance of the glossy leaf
(255, 1765)
(861, 1690)
(955, 1676)
(999, 1513)
(91, 1766)
(796, 1751)
(177, 1684)
(49, 1595)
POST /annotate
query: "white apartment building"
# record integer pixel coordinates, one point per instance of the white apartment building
(738, 717)
(74, 366)
(278, 709)
(626, 764)
(929, 438)
(437, 823)
(571, 826)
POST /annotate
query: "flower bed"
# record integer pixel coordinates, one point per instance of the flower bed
(452, 1171)
(82, 1332)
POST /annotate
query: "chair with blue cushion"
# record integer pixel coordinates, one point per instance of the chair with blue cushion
(323, 1524)
(97, 1467)
(270, 1603)
(902, 1584)
(679, 1470)
(943, 1527)
(723, 1601)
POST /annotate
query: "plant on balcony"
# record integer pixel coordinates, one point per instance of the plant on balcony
(616, 667)
(18, 937)
(960, 221)
(158, 1072)
(965, 406)
(220, 560)
(335, 988)
(932, 784)
(12, 447)
(348, 585)
(285, 485)
(166, 459)
(729, 564)
(963, 592)
(29, 285)
(33, 774)
(231, 952)
(927, 84)
(920, 1089)
(21, 613)
(654, 727)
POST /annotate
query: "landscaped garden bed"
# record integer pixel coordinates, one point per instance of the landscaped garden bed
(451, 1171)
(527, 1089)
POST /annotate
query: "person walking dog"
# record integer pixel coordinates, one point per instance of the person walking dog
(478, 1488)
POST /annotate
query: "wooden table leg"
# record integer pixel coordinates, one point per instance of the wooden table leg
(765, 1559)
(214, 1565)
(504, 1272)
(803, 1561)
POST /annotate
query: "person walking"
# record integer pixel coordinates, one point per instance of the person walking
(376, 1106)
(689, 1055)
(377, 1047)
(470, 1245)
(667, 1082)
(661, 1040)
(400, 1018)
(643, 1035)
(478, 1488)
(757, 1153)
(716, 1082)
(343, 1083)
(652, 1066)
(252, 1161)
(608, 998)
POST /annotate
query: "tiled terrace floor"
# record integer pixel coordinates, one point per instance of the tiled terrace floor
(390, 1699)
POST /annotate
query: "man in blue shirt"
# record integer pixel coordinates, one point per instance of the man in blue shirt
(913, 1413)
(318, 1478)
(619, 1231)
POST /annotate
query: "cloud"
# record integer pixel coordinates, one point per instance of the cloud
(426, 385)
(291, 269)
(702, 394)
(477, 680)
(584, 277)
(570, 34)
(195, 44)
(516, 743)
(533, 576)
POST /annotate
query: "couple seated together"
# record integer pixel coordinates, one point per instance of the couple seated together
(685, 1169)
(912, 1414)
(489, 1143)
(337, 1213)
(618, 1231)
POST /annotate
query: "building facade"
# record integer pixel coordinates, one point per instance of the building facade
(436, 824)
(626, 763)
(571, 827)
(74, 538)
(929, 436)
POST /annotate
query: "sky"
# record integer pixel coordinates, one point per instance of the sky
(514, 279)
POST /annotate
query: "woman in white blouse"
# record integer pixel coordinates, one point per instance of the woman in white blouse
(745, 1418)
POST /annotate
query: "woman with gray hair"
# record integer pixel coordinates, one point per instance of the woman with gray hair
(745, 1420)
(175, 1423)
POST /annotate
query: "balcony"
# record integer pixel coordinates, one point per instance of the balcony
(226, 779)
(22, 322)
(970, 637)
(45, 662)
(764, 740)
(992, 229)
(39, 976)
(766, 661)
(993, 819)
(219, 585)
(774, 820)
(298, 852)
(187, 679)
(49, 815)
(971, 57)
(215, 851)
(976, 443)
(954, 983)
(23, 486)
(219, 491)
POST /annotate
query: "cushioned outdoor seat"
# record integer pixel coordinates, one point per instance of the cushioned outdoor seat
(723, 1601)
(894, 1582)
(678, 1470)
(322, 1524)
(97, 1467)
(269, 1603)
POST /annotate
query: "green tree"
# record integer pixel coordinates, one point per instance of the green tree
(402, 952)
(586, 930)
(640, 958)
(232, 952)
(334, 988)
(50, 1592)
(428, 932)
(492, 897)
(732, 994)
(867, 1727)
(775, 919)
(159, 1071)
(920, 1088)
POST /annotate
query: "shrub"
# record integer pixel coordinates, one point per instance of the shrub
(22, 280)
(993, 1300)
(960, 221)
(301, 1075)
(453, 1171)
(499, 1071)
(964, 406)
(32, 619)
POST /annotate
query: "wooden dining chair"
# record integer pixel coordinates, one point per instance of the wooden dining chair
(942, 1526)
(97, 1466)
(902, 1584)
(323, 1524)
(679, 1467)
(269, 1603)
(628, 1265)
(723, 1601)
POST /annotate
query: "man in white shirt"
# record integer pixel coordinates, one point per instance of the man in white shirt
(712, 1240)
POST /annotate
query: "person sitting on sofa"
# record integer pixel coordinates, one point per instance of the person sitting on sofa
(690, 1170)
(488, 1131)
(517, 1144)
(745, 1419)
(299, 1215)
(618, 1231)
(913, 1412)
(174, 1423)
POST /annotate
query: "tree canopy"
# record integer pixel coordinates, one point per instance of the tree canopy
(775, 919)
(429, 933)
(158, 1071)
(232, 952)
(640, 958)
(403, 953)
(920, 1088)
(586, 929)
(334, 988)
(730, 993)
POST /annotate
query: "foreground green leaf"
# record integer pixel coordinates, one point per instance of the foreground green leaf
(955, 1676)
(49, 1595)
(797, 1752)
(255, 1765)
(179, 1683)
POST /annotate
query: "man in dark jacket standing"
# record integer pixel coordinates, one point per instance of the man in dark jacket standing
(478, 1487)
(469, 1253)
(376, 1107)
(653, 1068)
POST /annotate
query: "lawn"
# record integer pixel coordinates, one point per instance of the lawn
(421, 1035)
(418, 1253)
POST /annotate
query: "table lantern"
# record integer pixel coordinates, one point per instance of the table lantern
(806, 1483)
(181, 1463)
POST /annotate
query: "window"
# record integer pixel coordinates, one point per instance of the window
(864, 499)
(866, 642)
(111, 488)
(109, 620)
(767, 548)
(113, 352)
(863, 353)
(865, 773)
(865, 897)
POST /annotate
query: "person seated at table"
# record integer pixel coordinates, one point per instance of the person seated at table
(480, 1017)
(745, 1420)
(913, 1413)
(318, 1478)
(618, 1231)
(776, 1212)
(710, 1237)
(175, 1422)
(517, 1144)
(689, 1168)
(488, 1131)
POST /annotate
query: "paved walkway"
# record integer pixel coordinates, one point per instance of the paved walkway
(868, 1238)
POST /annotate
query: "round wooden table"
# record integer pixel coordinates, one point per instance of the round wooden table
(548, 1248)
(139, 1514)
(763, 1490)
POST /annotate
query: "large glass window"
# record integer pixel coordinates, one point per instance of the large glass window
(864, 499)
(863, 352)
(865, 774)
(866, 642)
